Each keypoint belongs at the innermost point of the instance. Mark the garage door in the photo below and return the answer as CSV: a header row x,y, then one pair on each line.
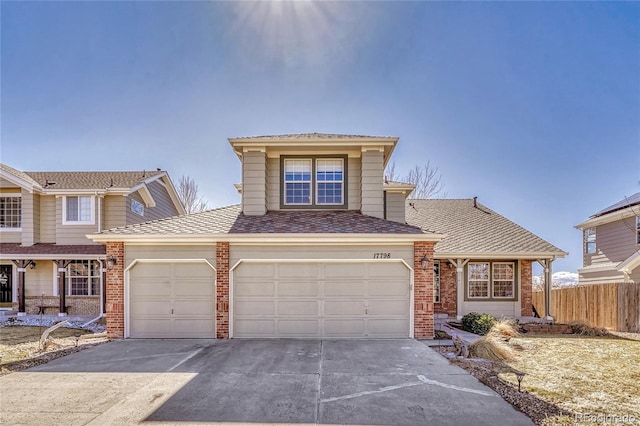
x,y
172,300
321,300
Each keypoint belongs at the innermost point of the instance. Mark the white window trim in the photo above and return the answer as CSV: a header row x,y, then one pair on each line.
x,y
92,214
68,277
310,182
317,182
488,280
513,281
13,195
586,241
139,213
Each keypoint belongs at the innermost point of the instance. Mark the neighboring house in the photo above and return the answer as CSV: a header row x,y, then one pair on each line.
x,y
46,259
611,244
320,246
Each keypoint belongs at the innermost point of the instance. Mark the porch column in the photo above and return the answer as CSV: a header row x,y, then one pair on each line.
x,y
62,272
546,264
423,318
459,264
22,268
222,290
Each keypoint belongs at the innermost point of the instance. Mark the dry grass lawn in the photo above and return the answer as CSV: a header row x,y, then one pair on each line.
x,y
598,375
19,342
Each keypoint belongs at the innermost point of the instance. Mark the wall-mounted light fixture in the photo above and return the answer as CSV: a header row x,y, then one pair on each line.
x,y
424,262
112,261
32,264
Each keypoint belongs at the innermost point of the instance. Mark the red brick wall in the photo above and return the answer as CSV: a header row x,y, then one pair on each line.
x,y
222,290
115,292
526,285
423,291
448,290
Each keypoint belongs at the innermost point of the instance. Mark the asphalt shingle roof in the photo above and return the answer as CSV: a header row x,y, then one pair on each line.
x,y
91,180
473,230
230,220
309,136
627,202
52,249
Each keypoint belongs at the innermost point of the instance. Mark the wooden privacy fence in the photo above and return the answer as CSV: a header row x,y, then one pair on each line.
x,y
613,306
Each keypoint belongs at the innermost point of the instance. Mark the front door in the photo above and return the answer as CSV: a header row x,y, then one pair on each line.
x,y
6,295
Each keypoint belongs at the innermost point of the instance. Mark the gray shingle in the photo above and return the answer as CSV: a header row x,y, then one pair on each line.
x,y
91,180
474,230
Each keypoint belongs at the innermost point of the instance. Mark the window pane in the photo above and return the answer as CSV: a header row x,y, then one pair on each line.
x,y
329,174
590,240
298,193
83,278
478,279
84,213
10,212
503,279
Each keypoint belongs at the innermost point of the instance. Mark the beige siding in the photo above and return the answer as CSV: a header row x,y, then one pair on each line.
x,y
611,275
133,252
30,218
254,186
395,207
354,181
372,184
39,279
73,234
48,219
237,252
615,242
273,183
496,309
114,211
164,205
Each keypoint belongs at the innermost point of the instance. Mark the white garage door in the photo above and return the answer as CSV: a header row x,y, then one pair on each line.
x,y
321,300
172,300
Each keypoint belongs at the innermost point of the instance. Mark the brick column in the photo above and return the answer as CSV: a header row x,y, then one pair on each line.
x,y
423,291
448,290
526,284
115,292
222,290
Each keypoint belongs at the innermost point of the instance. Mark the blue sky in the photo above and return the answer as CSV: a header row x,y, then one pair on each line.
x,y
534,107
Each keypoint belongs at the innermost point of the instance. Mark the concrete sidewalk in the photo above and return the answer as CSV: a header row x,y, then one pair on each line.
x,y
396,382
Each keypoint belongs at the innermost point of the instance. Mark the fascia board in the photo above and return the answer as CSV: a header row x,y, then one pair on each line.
x,y
173,194
19,181
9,256
143,189
512,255
609,217
339,239
631,263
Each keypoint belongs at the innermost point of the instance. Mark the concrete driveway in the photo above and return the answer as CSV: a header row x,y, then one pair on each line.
x,y
395,382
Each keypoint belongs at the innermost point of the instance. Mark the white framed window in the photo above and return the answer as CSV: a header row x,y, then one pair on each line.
x,y
297,181
478,283
590,240
436,281
504,280
78,210
137,207
83,278
11,212
330,181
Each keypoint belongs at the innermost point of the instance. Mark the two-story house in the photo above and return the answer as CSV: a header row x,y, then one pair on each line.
x,y
47,264
320,246
611,244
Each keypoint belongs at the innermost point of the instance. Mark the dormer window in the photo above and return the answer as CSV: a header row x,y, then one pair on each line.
x,y
313,182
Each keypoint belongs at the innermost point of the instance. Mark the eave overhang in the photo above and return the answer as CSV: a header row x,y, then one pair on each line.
x,y
500,256
608,218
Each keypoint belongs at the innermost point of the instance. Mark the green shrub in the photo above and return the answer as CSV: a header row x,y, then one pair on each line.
x,y
478,323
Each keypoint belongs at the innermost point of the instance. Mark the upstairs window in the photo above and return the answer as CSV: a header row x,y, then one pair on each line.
x,y
77,210
590,240
314,182
637,229
11,212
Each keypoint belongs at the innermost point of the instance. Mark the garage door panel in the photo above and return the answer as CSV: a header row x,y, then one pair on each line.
x,y
298,307
387,307
255,307
252,287
344,288
298,328
298,288
322,299
389,288
171,300
344,327
343,307
259,271
255,327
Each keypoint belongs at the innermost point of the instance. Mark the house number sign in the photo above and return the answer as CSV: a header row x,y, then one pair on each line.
x,y
382,255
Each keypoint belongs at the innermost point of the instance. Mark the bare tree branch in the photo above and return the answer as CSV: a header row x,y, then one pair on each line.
x,y
187,190
426,178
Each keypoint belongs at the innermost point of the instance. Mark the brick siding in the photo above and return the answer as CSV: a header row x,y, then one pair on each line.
x,y
526,287
115,292
78,305
222,290
423,291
